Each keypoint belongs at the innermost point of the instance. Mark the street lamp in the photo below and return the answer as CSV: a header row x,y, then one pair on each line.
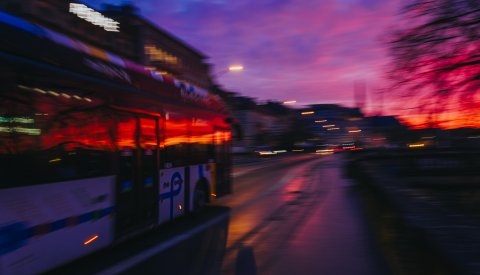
x,y
231,68
235,68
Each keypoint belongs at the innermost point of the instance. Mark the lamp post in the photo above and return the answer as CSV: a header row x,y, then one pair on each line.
x,y
231,68
227,96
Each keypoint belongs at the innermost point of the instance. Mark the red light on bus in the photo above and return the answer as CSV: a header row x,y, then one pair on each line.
x,y
89,241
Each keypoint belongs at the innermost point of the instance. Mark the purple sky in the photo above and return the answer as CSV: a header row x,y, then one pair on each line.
x,y
312,51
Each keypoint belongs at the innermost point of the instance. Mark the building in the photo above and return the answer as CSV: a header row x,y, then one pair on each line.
x,y
269,124
385,132
333,124
159,50
119,30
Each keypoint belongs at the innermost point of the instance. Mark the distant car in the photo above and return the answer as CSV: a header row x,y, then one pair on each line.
x,y
264,151
325,149
324,152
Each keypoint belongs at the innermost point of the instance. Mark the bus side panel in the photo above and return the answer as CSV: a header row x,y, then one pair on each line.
x,y
47,225
198,172
172,193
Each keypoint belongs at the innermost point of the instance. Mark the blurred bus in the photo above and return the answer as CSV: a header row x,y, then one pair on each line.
x,y
95,148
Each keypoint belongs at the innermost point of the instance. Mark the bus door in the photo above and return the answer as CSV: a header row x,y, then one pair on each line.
x,y
137,177
148,170
222,161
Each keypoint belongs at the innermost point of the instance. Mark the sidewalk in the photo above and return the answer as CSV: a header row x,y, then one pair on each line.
x,y
436,233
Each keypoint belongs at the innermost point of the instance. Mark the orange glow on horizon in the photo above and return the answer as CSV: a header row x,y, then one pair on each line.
x,y
447,120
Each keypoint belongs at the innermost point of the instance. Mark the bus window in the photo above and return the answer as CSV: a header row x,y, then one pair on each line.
x,y
148,142
83,143
176,140
223,161
44,138
148,133
125,142
148,185
201,141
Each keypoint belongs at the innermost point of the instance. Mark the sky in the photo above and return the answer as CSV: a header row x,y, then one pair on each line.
x,y
311,51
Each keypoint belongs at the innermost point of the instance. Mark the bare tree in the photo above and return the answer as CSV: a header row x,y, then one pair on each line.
x,y
436,54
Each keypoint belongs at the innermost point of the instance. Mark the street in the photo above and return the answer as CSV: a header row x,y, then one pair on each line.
x,y
297,215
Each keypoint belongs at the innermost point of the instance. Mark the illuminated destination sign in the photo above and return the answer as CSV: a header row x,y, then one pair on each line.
x,y
94,17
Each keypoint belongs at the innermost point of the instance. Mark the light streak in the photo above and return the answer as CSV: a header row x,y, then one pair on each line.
x,y
89,241
94,17
307,113
416,145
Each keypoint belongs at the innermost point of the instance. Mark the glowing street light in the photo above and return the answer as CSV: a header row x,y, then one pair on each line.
x,y
235,68
231,68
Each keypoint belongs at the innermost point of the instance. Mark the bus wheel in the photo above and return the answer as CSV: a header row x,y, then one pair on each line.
x,y
200,198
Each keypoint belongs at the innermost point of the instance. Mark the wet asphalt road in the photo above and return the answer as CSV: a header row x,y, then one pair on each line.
x,y
297,215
